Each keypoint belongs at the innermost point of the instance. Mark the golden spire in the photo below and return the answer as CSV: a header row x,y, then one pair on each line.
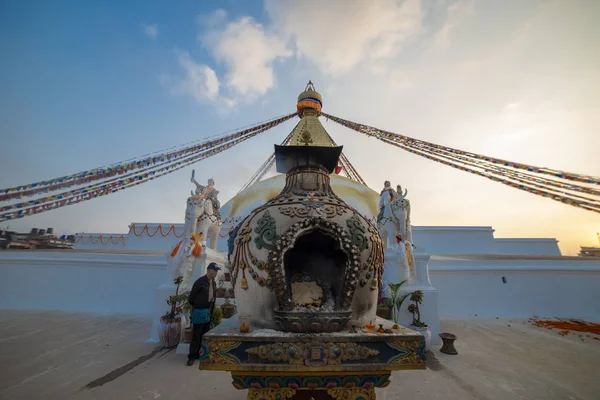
x,y
309,131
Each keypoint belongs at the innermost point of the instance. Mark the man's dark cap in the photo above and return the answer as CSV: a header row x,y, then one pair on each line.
x,y
214,266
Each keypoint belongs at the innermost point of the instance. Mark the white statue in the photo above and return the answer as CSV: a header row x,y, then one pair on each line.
x,y
407,260
393,221
202,217
202,222
181,261
207,191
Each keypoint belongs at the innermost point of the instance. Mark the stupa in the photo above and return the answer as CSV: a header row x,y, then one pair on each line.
x,y
307,269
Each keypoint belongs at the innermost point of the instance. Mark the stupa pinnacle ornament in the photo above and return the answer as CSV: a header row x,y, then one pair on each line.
x,y
309,131
310,101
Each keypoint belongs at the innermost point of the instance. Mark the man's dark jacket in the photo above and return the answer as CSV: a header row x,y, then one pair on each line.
x,y
199,295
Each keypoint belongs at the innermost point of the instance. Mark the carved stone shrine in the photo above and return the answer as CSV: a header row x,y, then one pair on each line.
x,y
306,269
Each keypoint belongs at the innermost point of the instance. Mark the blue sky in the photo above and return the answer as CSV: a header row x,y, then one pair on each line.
x,y
85,84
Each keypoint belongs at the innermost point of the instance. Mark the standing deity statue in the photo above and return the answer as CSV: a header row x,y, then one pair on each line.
x,y
203,214
399,190
393,220
208,192
387,195
393,223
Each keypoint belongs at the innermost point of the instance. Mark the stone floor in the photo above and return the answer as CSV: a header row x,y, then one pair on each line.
x,y
57,355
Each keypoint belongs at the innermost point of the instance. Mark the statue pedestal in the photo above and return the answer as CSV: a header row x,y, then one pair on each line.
x,y
396,271
429,308
161,307
168,289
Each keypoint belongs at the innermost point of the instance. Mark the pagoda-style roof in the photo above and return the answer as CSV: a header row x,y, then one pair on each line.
x,y
291,157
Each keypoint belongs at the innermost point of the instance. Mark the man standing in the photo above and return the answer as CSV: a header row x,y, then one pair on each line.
x,y
202,298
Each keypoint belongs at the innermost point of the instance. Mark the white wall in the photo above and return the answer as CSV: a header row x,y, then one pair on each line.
x,y
429,239
74,281
151,238
454,239
467,285
530,246
542,286
141,236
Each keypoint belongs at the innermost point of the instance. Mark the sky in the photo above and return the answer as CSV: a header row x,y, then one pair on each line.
x,y
86,84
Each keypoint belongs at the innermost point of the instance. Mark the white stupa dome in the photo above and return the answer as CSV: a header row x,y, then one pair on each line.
x,y
357,195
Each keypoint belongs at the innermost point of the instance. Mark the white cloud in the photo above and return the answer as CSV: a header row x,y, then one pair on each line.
x,y
247,50
150,30
214,20
458,14
339,35
200,81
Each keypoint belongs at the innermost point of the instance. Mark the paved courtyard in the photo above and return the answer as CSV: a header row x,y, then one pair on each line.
x,y
59,355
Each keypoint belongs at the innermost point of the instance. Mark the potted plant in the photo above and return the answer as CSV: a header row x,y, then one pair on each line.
x,y
417,298
187,312
395,301
383,309
169,329
228,308
217,316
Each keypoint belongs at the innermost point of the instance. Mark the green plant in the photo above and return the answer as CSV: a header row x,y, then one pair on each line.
x,y
186,307
395,300
177,303
417,298
217,316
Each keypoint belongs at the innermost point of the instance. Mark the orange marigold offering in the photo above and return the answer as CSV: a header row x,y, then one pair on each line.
x,y
567,326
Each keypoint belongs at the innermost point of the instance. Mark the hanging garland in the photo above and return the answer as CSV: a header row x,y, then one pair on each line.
x,y
379,133
121,168
81,239
159,229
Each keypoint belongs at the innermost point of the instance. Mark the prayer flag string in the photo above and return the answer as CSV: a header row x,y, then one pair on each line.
x,y
63,199
499,173
379,133
122,168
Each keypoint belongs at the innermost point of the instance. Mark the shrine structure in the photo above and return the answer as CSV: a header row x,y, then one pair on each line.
x,y
307,269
